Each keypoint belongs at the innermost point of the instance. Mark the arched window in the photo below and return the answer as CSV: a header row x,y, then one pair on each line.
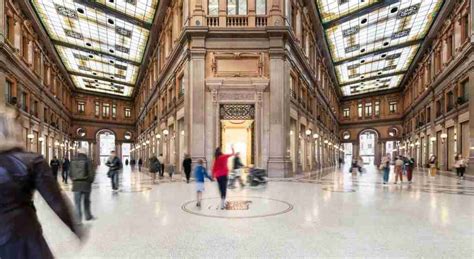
x,y
213,7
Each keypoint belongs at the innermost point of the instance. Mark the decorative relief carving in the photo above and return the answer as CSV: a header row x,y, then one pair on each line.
x,y
237,64
236,96
214,96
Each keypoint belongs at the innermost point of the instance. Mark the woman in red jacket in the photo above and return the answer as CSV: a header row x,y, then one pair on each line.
x,y
220,172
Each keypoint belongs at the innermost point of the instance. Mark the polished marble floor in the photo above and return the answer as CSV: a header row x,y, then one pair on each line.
x,y
332,214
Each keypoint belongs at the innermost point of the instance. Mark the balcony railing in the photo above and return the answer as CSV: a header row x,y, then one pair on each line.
x,y
213,21
260,21
237,21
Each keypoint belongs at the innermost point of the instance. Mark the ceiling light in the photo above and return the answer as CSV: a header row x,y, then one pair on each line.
x,y
80,10
88,44
110,21
394,10
364,21
385,43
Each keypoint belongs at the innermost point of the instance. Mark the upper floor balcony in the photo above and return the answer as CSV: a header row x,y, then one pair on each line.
x,y
237,21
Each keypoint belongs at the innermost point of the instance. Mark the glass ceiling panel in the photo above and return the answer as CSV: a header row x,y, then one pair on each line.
x,y
115,44
100,86
140,9
372,85
376,65
397,28
388,26
333,9
96,65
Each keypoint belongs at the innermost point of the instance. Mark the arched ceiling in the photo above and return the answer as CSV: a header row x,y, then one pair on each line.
x,y
373,42
100,42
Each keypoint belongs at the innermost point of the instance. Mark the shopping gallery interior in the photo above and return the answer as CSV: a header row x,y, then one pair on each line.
x,y
317,94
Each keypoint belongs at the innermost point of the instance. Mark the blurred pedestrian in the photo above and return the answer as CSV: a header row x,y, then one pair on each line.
x,y
460,164
162,163
21,173
398,169
220,171
114,165
55,163
200,173
82,176
154,167
140,163
236,174
433,165
187,167
65,172
385,167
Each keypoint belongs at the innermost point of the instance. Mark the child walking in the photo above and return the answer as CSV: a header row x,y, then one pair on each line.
x,y
199,174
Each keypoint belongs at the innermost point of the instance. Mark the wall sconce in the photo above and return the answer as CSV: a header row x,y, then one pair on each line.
x,y
56,143
455,137
40,139
147,142
329,144
326,141
166,132
412,145
417,143
158,136
30,136
308,132
443,136
144,144
433,139
62,145
291,133
182,133
315,135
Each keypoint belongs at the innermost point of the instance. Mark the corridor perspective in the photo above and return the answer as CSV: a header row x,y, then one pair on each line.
x,y
236,128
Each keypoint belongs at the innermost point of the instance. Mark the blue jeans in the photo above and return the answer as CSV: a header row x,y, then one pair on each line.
x,y
87,204
115,180
386,172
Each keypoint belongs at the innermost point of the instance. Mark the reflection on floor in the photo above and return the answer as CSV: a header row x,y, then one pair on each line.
x,y
332,214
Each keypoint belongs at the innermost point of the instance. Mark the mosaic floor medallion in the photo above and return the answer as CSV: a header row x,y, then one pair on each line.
x,y
238,207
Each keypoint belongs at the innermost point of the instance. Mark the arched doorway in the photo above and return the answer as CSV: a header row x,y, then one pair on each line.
x,y
368,140
105,143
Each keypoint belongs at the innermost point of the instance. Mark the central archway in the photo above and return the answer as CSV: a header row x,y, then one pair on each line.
x,y
368,140
105,142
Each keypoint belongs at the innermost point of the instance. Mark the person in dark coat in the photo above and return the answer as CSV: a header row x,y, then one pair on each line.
x,y
154,167
140,163
55,166
236,172
65,170
187,167
82,176
114,165
21,173
126,162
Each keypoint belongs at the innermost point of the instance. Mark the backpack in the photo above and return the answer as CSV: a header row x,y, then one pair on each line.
x,y
79,170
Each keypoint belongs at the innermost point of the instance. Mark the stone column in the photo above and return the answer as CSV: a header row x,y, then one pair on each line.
x,y
195,100
2,24
3,81
279,162
470,168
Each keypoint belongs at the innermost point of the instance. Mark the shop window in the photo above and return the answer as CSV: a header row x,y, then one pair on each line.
x,y
359,110
346,113
450,100
237,7
449,46
34,108
465,27
23,97
392,107
428,115
181,86
81,107
464,95
213,7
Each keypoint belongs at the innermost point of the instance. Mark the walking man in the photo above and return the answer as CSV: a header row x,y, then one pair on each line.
x,y
55,166
65,169
236,173
114,165
140,163
162,163
187,167
82,176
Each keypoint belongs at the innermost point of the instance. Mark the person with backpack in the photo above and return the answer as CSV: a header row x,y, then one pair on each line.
x,y
154,167
22,173
55,166
187,167
65,170
114,165
82,176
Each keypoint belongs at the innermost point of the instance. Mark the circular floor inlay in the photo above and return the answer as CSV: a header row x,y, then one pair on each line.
x,y
239,207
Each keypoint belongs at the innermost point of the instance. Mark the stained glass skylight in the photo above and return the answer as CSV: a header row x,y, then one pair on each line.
x,y
375,39
99,38
101,86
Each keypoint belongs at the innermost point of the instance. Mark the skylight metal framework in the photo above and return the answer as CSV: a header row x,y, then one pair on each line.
x,y
99,39
374,40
